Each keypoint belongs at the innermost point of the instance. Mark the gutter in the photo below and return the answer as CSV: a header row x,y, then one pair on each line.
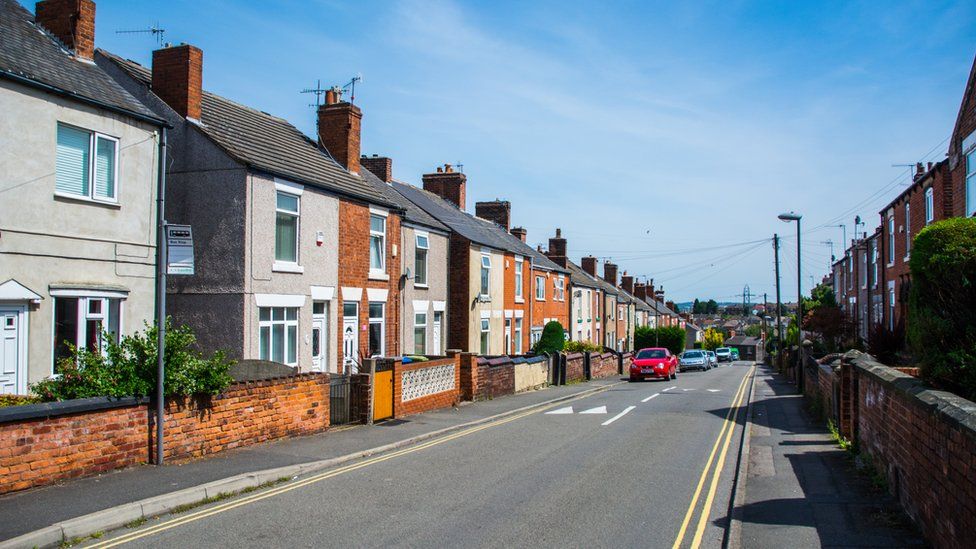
x,y
83,99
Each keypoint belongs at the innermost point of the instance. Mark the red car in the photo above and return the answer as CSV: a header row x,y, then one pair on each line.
x,y
654,363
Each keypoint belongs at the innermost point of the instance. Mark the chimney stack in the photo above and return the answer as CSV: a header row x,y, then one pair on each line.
x,y
177,78
627,283
640,291
71,21
610,273
519,232
380,166
589,265
497,211
340,125
447,184
919,171
557,249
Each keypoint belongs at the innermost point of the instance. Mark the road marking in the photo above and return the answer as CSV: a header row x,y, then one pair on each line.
x,y
566,410
713,390
618,416
597,410
686,390
220,508
669,388
708,464
650,397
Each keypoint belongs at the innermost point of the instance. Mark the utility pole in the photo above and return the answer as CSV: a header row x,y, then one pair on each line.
x,y
779,306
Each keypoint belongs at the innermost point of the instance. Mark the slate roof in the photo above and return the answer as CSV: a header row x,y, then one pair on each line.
x,y
475,229
267,142
743,340
411,212
30,54
579,277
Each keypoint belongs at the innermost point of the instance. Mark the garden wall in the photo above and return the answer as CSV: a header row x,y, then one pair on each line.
x,y
603,365
422,386
531,375
574,368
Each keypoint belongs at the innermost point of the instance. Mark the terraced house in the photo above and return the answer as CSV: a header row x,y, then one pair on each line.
x,y
299,259
80,166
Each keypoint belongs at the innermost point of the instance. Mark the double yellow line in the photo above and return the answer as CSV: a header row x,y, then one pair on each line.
x,y
728,426
210,511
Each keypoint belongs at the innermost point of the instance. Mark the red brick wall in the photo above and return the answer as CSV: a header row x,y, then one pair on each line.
x,y
72,21
924,442
247,413
43,451
354,272
435,401
603,365
459,295
528,297
501,380
550,308
965,125
574,367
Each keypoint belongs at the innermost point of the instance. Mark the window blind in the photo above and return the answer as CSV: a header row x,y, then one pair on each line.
x,y
105,168
71,165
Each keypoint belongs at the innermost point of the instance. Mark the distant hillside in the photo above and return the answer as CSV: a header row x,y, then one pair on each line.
x,y
685,306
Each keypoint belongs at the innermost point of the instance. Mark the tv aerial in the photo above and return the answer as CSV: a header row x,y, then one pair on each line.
x,y
351,86
154,30
319,91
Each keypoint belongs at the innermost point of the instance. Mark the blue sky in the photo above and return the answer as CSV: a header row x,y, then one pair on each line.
x,y
666,136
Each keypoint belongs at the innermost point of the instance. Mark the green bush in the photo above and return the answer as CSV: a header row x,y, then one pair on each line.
x,y
582,346
941,316
669,337
553,339
17,400
128,368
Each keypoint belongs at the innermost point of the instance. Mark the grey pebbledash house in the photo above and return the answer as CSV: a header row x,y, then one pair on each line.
x,y
79,171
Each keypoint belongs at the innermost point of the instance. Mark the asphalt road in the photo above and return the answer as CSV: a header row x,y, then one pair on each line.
x,y
630,475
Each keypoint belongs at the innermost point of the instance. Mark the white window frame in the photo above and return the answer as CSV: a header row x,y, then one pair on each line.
x,y
540,288
93,137
518,336
381,270
863,265
286,265
484,344
929,205
419,249
417,324
285,322
381,320
83,316
969,153
874,263
908,231
891,239
485,289
519,263
559,285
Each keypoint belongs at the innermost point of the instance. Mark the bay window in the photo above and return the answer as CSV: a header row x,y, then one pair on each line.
x,y
420,260
278,334
377,329
286,227
377,243
84,322
86,164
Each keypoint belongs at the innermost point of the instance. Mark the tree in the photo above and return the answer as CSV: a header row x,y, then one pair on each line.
x,y
553,339
713,339
941,315
753,330
711,307
672,338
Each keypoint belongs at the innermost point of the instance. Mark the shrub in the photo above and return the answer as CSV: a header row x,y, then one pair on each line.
x,y
17,400
712,340
582,346
128,368
553,339
670,337
941,316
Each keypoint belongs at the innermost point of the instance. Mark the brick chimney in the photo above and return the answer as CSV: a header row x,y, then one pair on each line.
x,y
496,211
71,21
447,184
610,273
557,249
627,282
588,264
519,233
380,166
339,125
640,291
177,78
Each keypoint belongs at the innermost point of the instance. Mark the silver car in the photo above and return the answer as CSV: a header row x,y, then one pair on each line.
x,y
693,359
712,359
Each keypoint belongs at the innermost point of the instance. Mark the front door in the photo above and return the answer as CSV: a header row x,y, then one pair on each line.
x,y
437,332
508,336
10,352
320,337
350,337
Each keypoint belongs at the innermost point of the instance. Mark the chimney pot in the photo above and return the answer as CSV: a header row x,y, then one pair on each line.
x,y
71,21
449,185
177,78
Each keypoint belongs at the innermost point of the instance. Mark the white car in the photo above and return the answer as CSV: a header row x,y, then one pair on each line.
x,y
712,359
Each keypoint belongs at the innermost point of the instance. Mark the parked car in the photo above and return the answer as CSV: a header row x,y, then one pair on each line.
x,y
693,359
735,354
724,354
712,359
653,363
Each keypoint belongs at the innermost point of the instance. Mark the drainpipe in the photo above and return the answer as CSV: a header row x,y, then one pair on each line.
x,y
531,293
160,295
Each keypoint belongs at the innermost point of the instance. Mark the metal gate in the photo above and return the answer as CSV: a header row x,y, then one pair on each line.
x,y
345,396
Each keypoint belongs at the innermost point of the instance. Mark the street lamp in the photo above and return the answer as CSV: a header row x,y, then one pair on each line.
x,y
787,218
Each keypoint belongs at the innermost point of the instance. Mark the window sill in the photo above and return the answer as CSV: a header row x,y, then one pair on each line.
x,y
520,300
376,275
906,258
280,267
421,286
86,200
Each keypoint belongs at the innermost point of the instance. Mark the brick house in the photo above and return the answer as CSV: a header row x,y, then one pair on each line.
x,y
80,172
961,195
424,251
586,300
608,307
297,257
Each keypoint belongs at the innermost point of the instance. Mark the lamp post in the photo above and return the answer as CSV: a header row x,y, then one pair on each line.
x,y
787,218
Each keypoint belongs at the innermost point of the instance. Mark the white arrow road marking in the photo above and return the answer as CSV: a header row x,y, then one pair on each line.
x,y
713,390
566,410
669,388
597,410
618,416
650,397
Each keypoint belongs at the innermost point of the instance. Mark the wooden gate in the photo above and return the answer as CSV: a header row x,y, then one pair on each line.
x,y
383,391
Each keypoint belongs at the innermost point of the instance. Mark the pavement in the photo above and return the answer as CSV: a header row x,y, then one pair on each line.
x,y
639,464
31,510
798,488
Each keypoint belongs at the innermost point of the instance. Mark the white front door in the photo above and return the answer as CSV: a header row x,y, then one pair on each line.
x,y
437,332
350,337
12,346
320,337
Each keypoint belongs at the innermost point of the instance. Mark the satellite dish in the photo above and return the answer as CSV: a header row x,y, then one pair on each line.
x,y
408,274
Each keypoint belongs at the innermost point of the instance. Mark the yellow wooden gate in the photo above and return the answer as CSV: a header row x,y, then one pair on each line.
x,y
383,395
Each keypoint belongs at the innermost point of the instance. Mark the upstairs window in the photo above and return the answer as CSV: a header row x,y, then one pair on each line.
x,y
891,239
286,228
83,158
969,150
540,288
518,278
420,260
485,275
908,230
560,288
377,243
929,205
